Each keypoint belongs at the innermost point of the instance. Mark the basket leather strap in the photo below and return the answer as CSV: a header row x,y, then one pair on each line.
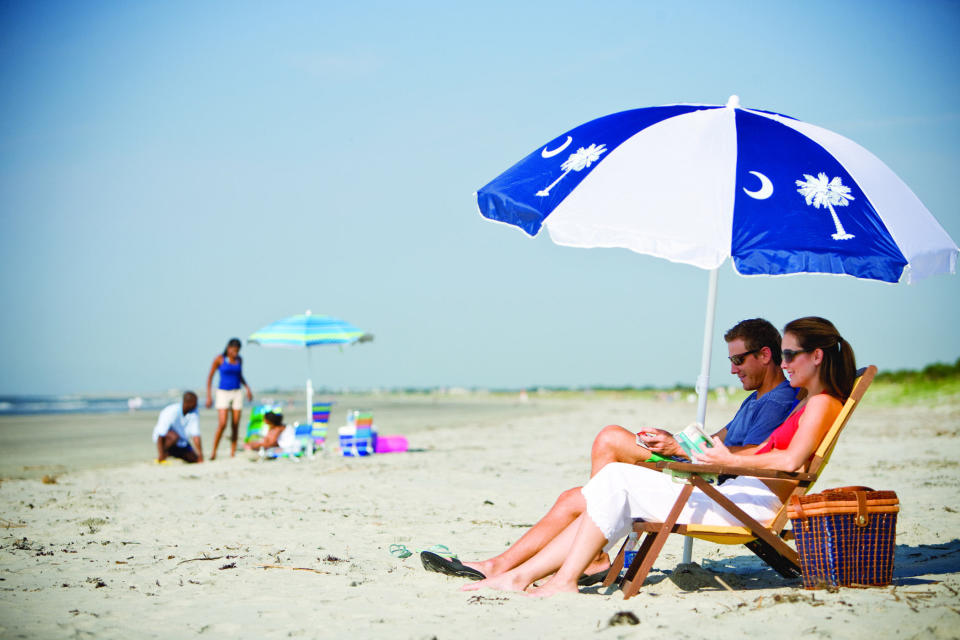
x,y
798,507
863,516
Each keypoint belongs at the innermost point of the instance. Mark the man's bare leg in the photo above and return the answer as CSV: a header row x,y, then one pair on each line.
x,y
615,444
612,444
541,564
565,510
164,443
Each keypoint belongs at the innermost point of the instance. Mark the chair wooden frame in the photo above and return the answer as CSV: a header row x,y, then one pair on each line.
x,y
767,541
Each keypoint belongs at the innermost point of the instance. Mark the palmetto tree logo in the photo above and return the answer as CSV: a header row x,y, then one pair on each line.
x,y
578,161
823,192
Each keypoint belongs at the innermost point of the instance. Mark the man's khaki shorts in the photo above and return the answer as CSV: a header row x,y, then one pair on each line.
x,y
232,399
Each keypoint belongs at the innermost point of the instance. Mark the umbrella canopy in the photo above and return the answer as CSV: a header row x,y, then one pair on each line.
x,y
699,183
306,330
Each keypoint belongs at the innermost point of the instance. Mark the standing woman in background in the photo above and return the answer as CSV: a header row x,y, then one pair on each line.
x,y
229,395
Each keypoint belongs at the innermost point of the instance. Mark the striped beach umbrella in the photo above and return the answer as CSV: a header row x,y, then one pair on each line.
x,y
304,331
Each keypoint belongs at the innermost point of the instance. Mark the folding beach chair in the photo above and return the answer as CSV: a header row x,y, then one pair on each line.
x,y
359,439
321,418
768,542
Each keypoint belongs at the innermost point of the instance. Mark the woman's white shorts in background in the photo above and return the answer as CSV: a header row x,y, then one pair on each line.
x,y
229,399
620,492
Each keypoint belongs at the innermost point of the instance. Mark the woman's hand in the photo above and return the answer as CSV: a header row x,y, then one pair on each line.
x,y
249,395
209,402
717,454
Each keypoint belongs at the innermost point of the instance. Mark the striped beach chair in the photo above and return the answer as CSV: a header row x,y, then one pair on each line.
x,y
318,431
358,440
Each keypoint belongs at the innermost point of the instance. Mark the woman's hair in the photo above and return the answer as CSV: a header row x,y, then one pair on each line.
x,y
838,369
273,419
233,342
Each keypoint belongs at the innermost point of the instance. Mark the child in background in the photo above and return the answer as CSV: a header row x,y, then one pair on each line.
x,y
275,428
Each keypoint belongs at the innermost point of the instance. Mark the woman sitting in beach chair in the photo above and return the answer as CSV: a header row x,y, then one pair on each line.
x,y
815,357
275,428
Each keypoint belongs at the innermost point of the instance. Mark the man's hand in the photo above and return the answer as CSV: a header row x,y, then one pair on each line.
x,y
660,441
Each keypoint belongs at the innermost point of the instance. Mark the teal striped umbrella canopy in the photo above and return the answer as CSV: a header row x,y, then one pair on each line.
x,y
306,330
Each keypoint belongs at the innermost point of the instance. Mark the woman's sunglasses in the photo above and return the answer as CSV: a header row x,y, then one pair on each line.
x,y
790,354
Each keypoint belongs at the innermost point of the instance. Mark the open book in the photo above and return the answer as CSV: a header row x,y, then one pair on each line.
x,y
693,439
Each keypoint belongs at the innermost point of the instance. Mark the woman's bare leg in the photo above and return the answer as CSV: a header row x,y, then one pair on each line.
x,y
565,510
221,424
234,430
542,564
588,542
612,444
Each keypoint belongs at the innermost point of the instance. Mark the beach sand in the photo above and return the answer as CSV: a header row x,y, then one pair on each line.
x,y
118,547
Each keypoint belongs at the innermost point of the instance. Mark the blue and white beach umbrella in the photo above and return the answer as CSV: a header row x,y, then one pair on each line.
x,y
700,183
304,331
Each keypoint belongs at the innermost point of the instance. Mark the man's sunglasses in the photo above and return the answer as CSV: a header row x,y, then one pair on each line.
x,y
738,359
790,354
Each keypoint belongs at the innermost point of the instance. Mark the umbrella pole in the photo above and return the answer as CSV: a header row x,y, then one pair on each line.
x,y
309,390
703,380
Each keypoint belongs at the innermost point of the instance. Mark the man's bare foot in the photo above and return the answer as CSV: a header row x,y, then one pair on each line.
x,y
486,567
503,582
552,588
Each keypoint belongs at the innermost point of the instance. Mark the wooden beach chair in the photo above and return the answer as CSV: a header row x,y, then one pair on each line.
x,y
768,542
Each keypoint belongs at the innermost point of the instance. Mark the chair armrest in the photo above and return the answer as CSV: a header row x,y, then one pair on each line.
x,y
690,467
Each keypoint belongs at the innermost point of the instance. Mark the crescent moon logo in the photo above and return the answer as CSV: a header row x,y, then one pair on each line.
x,y
552,152
766,187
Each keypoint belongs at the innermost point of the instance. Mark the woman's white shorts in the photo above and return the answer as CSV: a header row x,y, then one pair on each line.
x,y
229,399
621,492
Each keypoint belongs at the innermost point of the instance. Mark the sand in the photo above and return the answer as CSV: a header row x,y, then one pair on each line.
x,y
118,547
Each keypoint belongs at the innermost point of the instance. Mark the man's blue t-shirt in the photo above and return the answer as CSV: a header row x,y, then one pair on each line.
x,y
758,417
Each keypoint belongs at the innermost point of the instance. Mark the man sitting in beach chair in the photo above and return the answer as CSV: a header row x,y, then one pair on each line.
x,y
178,424
755,356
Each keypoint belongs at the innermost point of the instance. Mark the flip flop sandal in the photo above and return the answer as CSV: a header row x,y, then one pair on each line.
x,y
452,567
401,551
587,580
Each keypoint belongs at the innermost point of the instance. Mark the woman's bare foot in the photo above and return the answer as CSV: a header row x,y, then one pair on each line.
x,y
552,588
504,582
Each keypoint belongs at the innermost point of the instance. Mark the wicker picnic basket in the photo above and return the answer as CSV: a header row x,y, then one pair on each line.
x,y
845,537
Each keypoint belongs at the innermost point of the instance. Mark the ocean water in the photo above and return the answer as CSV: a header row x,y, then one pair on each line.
x,y
31,405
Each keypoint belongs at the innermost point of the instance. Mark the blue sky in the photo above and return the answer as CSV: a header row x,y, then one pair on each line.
x,y
174,174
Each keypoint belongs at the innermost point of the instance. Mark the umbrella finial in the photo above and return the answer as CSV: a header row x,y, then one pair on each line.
x,y
733,102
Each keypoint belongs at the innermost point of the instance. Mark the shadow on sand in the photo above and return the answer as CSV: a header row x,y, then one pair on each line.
x,y
912,565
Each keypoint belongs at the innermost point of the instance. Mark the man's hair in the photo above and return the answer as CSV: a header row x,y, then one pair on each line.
x,y
189,395
756,334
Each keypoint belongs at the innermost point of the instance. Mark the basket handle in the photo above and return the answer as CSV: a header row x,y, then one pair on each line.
x,y
863,516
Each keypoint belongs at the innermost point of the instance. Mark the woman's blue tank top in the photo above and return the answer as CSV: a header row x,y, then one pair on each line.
x,y
230,374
